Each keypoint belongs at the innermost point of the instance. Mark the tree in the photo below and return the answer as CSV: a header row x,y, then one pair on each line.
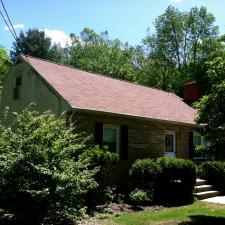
x,y
182,43
39,172
96,53
4,64
33,42
59,54
211,110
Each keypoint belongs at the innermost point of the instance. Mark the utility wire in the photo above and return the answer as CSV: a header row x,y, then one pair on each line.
x,y
8,26
15,35
13,32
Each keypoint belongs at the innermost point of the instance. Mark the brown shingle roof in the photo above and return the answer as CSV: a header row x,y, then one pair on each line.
x,y
85,90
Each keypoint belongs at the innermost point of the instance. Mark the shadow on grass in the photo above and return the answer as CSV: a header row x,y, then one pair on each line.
x,y
204,220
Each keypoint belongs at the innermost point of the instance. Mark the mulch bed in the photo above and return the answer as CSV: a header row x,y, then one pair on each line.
x,y
115,209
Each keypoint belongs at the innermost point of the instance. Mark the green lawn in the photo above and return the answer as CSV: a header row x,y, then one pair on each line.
x,y
198,213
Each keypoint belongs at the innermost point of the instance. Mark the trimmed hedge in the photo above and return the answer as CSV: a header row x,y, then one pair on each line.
x,y
143,173
166,180
214,173
176,182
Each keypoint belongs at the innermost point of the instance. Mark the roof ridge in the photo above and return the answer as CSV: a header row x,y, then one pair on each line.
x,y
102,75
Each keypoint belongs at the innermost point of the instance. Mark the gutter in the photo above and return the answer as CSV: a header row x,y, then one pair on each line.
x,y
99,112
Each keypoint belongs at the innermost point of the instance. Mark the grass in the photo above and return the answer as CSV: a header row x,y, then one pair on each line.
x,y
199,213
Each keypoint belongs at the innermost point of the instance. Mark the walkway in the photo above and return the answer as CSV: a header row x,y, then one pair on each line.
x,y
217,199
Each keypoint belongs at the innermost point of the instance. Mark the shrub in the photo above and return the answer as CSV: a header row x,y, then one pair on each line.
x,y
166,180
139,197
102,159
176,182
38,172
214,173
178,169
143,172
143,175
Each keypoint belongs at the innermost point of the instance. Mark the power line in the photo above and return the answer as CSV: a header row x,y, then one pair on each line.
x,y
11,29
9,20
8,25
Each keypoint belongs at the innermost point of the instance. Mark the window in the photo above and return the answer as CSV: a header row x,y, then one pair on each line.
x,y
170,143
16,90
18,81
111,137
198,139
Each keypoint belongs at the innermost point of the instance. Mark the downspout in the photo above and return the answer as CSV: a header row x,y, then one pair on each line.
x,y
69,117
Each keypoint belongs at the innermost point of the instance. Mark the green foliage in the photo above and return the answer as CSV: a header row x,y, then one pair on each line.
x,y
96,53
211,108
4,64
100,157
33,42
177,169
38,171
139,197
104,160
216,71
202,151
59,54
214,173
166,180
183,41
110,194
176,182
143,174
211,116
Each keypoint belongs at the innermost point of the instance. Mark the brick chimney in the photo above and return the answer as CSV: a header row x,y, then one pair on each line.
x,y
191,92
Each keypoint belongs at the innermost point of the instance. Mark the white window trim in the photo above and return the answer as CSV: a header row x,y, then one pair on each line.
x,y
117,127
174,141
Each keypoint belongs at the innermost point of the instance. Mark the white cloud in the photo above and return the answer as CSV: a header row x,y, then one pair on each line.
x,y
58,37
176,1
16,26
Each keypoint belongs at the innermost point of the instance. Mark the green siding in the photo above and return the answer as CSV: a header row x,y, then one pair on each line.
x,y
33,89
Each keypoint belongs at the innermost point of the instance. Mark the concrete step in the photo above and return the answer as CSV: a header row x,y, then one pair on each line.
x,y
208,194
200,182
203,188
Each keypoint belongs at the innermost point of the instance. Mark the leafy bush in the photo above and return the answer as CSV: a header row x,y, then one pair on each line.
x,y
38,171
176,181
102,159
214,173
139,197
177,169
166,180
143,175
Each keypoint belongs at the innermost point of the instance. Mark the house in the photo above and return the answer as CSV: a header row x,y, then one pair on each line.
x,y
133,120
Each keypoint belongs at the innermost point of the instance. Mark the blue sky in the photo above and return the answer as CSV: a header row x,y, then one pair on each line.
x,y
127,20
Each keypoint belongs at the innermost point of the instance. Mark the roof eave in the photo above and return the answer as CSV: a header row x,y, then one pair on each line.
x,y
96,111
